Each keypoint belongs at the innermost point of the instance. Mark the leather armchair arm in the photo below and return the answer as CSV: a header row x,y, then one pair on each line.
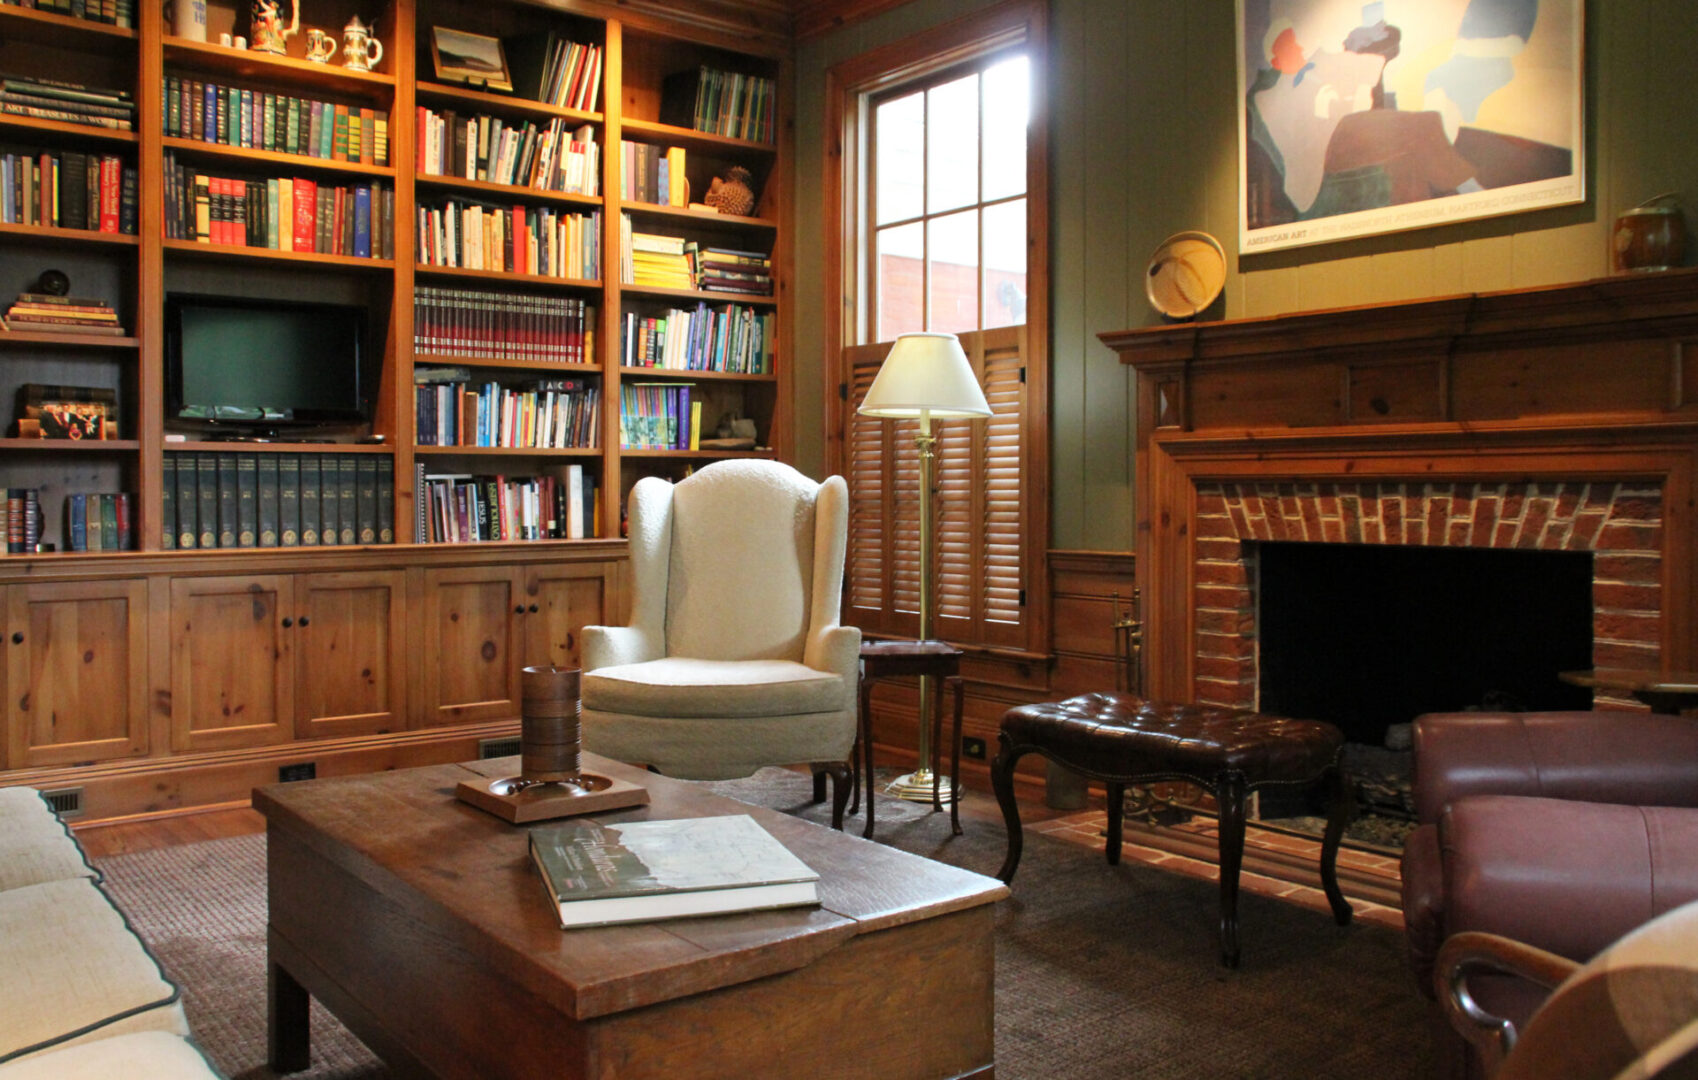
x,y
605,646
1472,952
1422,875
1631,758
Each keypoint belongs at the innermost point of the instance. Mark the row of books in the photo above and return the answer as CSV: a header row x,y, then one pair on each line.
x,y
653,175
514,239
730,270
538,414
67,102
653,260
555,71
658,416
502,325
466,508
98,521
280,214
491,149
721,102
21,527
68,189
111,12
226,499
48,314
733,338
260,120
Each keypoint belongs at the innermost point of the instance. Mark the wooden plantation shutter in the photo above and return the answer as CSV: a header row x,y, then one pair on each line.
x,y
1005,524
866,586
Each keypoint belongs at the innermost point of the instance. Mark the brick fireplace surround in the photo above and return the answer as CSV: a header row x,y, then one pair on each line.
x,y
1562,418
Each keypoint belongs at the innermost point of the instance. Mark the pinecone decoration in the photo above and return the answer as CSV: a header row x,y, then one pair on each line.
x,y
732,195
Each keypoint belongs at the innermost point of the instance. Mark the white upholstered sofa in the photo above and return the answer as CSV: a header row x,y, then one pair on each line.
x,y
80,996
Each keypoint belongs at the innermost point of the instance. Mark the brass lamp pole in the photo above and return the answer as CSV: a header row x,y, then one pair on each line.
x,y
925,375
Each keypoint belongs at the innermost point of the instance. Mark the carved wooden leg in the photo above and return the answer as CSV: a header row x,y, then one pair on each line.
x,y
955,758
841,781
819,786
1116,812
1229,793
1002,782
288,1028
1341,806
936,763
867,751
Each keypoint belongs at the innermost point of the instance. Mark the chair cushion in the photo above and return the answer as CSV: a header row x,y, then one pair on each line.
x,y
72,971
680,686
34,846
144,1055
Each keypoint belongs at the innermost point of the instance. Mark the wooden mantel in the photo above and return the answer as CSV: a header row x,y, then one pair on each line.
x,y
1590,382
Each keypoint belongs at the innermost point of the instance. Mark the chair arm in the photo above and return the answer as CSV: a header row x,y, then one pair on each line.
x,y
1636,759
837,649
1473,952
1422,877
605,646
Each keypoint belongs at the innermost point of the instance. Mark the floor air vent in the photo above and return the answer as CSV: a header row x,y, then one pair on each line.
x,y
488,748
66,802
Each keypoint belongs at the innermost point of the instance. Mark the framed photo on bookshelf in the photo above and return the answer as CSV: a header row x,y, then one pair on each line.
x,y
473,59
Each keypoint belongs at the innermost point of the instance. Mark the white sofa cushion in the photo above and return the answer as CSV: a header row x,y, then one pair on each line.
x,y
684,686
142,1055
34,845
71,971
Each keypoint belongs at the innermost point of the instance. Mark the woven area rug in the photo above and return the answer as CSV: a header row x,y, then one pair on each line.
x,y
1102,972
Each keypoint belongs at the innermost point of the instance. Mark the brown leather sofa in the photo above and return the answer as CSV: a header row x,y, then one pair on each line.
x,y
1563,830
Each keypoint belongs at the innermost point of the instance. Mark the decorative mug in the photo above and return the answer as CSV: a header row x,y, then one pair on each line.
x,y
360,51
320,46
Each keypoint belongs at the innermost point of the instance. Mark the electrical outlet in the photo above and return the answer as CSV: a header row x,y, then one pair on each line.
x,y
974,747
304,770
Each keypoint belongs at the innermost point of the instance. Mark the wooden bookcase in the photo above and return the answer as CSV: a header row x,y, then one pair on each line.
x,y
140,711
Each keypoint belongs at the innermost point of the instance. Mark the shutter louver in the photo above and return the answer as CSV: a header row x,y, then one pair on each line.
x,y
1003,490
867,467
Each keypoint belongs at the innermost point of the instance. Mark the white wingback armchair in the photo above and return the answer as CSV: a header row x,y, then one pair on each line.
x,y
734,658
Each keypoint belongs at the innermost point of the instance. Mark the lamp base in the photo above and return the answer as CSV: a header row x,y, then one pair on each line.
x,y
917,787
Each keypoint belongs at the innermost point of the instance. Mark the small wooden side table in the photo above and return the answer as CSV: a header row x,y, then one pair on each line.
x,y
1663,693
888,659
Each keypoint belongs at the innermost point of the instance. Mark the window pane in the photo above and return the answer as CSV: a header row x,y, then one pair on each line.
x,y
901,285
899,131
952,246
1007,103
952,142
1005,264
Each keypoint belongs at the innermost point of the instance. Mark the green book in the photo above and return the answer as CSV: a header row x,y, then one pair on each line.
x,y
386,500
365,498
268,122
187,533
292,125
247,500
347,490
168,502
308,466
206,498
289,500
108,522
329,500
268,500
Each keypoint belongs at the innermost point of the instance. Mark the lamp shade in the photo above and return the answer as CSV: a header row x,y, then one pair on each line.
x,y
925,373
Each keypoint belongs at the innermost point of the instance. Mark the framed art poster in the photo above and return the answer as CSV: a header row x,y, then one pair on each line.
x,y
1366,118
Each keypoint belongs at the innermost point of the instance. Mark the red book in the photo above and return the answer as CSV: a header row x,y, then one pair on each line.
x,y
123,509
111,177
47,213
419,137
521,239
306,214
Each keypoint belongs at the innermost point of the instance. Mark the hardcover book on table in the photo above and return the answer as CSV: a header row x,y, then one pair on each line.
x,y
639,871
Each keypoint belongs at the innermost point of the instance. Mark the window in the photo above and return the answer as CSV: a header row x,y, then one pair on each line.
x,y
941,172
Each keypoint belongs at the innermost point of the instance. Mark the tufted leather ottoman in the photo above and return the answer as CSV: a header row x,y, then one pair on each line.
x,y
1122,739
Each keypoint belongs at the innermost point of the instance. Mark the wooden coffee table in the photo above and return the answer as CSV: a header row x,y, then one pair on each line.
x,y
421,923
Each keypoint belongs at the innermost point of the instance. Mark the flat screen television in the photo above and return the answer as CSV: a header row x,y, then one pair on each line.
x,y
255,366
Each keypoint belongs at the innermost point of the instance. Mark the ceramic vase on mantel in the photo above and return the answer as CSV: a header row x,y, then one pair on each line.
x,y
1651,236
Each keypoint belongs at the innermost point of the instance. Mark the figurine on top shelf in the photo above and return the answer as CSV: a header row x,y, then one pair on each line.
x,y
268,33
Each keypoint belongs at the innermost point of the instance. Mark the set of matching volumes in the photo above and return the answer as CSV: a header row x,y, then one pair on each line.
x,y
652,175
491,149
68,189
287,214
460,508
119,13
721,103
554,71
21,510
227,499
658,416
538,414
542,241
258,120
503,326
97,522
67,102
46,314
732,338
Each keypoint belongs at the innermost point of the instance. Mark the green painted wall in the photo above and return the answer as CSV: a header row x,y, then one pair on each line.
x,y
1143,143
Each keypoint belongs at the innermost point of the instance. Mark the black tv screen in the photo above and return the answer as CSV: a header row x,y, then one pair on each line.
x,y
260,363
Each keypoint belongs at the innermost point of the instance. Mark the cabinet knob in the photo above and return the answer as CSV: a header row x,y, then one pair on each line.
x,y
518,609
532,609
304,620
18,638
287,622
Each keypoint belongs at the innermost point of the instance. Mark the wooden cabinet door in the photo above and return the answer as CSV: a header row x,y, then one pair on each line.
x,y
76,672
232,662
350,659
469,665
560,601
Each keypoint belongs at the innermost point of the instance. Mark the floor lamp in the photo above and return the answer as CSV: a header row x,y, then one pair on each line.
x,y
925,375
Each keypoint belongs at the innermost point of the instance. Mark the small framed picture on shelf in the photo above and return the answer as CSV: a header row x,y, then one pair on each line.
x,y
468,58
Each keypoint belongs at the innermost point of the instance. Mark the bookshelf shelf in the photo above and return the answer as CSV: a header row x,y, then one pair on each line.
x,y
543,280
698,295
35,339
207,151
283,70
284,258
690,139
279,447
70,236
59,132
34,27
698,455
704,376
507,451
449,360
679,214
508,192
72,446
435,92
